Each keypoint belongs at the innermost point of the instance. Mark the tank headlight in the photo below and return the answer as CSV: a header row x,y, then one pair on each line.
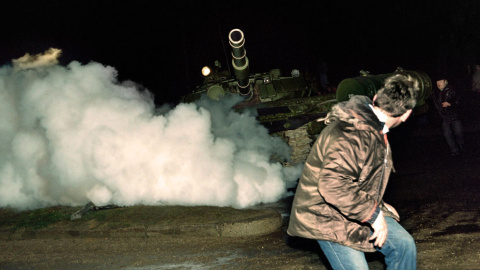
x,y
206,71
266,80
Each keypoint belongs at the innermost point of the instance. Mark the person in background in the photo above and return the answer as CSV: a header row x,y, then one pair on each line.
x,y
446,102
476,82
338,201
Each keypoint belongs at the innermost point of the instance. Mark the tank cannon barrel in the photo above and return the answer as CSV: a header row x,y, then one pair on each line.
x,y
368,85
239,60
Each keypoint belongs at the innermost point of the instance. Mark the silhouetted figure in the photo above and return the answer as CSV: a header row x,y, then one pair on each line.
x,y
476,82
322,76
446,101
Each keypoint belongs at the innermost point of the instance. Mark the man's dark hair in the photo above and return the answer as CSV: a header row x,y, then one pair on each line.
x,y
398,95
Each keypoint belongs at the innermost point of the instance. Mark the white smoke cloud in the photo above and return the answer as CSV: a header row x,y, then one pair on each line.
x,y
75,134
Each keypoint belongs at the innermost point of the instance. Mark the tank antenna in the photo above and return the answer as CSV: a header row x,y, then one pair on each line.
x,y
221,40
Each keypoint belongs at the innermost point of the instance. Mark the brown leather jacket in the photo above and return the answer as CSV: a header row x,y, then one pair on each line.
x,y
344,178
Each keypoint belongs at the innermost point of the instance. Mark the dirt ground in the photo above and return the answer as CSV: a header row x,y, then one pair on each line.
x,y
447,243
436,195
263,252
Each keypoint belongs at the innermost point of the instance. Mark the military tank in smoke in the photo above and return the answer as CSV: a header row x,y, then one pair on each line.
x,y
286,105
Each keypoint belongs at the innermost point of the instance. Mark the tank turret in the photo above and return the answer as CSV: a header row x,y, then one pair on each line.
x,y
285,104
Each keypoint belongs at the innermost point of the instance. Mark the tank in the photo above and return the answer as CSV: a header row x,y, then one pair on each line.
x,y
285,105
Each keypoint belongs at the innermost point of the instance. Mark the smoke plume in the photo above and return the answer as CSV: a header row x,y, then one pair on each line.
x,y
73,134
50,57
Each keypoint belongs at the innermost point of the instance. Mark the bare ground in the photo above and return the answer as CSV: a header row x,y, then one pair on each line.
x,y
449,243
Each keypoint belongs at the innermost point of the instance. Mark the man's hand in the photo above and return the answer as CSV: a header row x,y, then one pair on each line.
x,y
380,230
446,104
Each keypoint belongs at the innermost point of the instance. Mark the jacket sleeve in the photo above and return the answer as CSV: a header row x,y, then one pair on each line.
x,y
452,97
344,159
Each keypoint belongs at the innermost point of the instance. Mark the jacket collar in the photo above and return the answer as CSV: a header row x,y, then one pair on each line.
x,y
357,112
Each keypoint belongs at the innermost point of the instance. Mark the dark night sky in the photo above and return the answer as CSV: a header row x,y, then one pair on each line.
x,y
164,48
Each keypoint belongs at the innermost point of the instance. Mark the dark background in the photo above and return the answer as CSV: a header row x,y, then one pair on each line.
x,y
164,45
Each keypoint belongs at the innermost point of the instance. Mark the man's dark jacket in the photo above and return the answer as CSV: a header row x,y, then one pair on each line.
x,y
446,95
344,178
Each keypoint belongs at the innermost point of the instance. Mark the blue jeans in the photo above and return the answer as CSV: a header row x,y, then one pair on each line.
x,y
452,130
399,250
